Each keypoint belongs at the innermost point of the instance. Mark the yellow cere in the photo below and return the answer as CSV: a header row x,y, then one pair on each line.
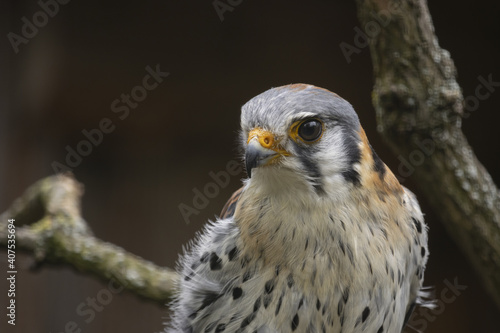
x,y
267,140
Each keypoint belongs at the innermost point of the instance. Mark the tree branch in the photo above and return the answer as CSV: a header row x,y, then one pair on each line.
x,y
419,108
61,236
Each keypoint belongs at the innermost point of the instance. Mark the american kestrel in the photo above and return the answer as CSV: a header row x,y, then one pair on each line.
x,y
321,237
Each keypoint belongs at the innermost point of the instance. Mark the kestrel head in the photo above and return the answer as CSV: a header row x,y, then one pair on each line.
x,y
302,135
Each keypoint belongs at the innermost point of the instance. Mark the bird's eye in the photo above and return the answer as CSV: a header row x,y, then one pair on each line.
x,y
310,130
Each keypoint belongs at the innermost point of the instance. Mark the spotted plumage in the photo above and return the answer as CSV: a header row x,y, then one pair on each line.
x,y
321,238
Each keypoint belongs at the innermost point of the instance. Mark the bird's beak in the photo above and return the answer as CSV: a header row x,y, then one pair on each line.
x,y
262,149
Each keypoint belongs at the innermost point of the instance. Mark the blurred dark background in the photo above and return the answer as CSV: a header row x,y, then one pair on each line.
x,y
64,79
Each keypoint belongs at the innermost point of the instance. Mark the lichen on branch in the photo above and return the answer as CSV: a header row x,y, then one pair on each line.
x,y
49,225
419,107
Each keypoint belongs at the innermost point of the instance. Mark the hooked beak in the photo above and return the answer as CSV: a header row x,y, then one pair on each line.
x,y
262,149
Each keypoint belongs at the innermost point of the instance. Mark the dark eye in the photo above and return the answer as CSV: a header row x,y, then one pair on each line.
x,y
310,130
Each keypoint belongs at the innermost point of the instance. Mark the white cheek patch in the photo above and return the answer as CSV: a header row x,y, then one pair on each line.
x,y
332,157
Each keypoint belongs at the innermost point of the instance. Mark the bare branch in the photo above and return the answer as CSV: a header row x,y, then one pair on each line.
x,y
419,109
61,236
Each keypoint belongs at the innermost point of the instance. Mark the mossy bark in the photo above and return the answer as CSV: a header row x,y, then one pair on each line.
x,y
419,108
49,224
